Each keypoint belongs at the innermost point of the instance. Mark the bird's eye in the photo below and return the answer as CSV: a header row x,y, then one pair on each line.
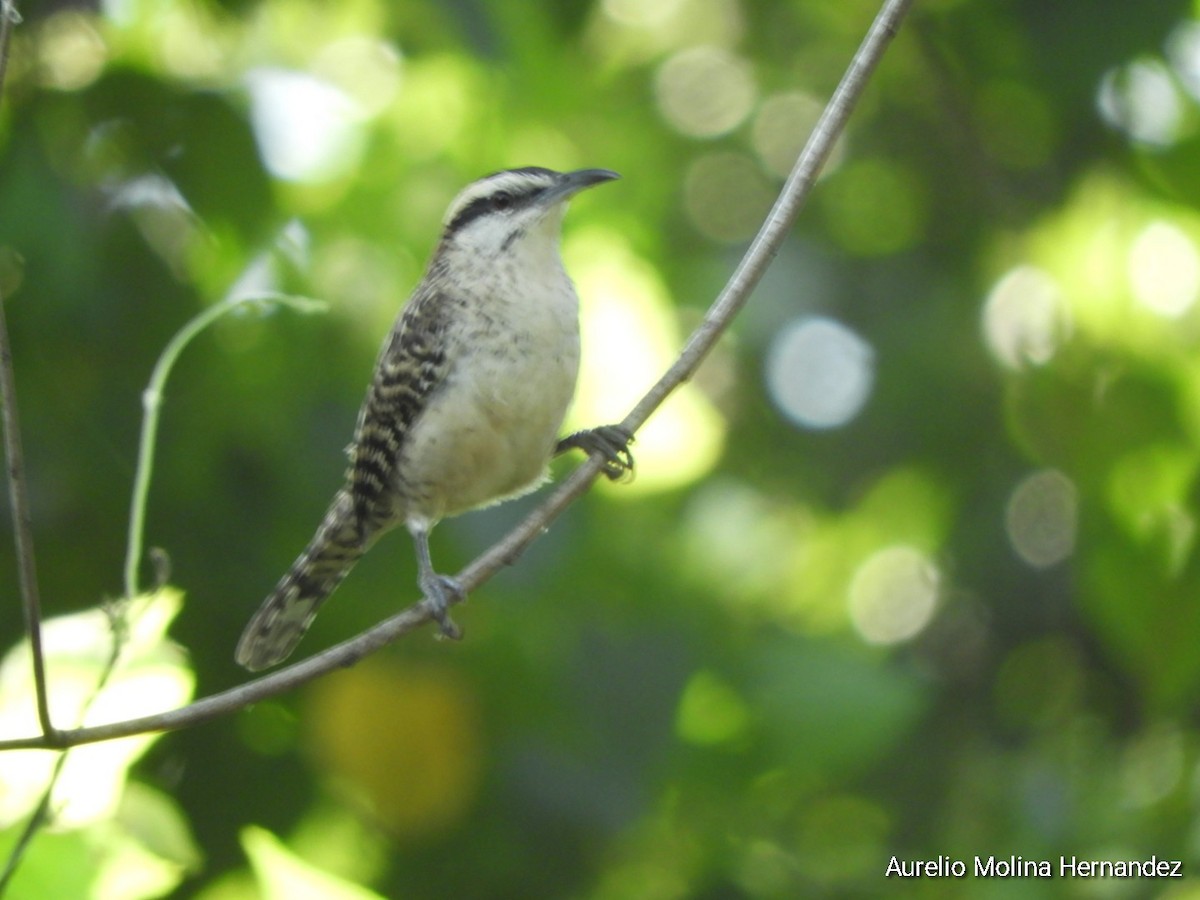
x,y
502,201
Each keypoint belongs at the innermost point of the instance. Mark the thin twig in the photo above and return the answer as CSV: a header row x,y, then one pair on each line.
x,y
22,530
152,399
22,524
787,206
22,520
762,250
40,817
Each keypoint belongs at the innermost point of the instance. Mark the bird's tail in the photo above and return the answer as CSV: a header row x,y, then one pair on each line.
x,y
286,614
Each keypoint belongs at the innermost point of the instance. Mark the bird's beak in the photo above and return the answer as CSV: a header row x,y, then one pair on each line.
x,y
571,183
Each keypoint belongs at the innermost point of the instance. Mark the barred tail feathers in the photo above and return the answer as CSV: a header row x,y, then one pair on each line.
x,y
275,630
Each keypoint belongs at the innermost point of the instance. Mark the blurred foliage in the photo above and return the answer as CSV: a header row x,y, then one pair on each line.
x,y
120,838
909,569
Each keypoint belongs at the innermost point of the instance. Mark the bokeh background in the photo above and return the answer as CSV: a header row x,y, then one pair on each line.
x,y
909,569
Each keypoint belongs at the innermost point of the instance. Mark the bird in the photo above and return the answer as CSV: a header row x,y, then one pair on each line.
x,y
466,401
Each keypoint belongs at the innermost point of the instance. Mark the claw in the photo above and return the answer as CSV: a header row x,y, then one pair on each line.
x,y
609,441
440,591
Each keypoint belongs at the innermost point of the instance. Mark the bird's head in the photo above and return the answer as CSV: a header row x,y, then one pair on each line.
x,y
492,214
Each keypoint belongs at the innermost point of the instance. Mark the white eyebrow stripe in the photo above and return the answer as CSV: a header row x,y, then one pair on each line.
x,y
518,182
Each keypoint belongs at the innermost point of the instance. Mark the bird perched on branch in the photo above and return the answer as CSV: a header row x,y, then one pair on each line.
x,y
466,401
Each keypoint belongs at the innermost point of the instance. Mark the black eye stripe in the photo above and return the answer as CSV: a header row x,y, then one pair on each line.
x,y
469,213
515,188
501,200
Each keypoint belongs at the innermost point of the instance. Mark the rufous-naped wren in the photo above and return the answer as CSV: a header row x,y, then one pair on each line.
x,y
466,402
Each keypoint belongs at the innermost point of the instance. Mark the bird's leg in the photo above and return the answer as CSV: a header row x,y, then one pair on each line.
x,y
609,441
439,590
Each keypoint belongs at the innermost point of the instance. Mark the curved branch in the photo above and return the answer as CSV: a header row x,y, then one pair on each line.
x,y
731,299
152,399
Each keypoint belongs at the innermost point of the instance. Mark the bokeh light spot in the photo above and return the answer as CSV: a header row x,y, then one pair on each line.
x,y
1142,100
875,207
726,196
190,41
638,13
820,373
1025,318
269,728
1164,269
441,99
740,544
704,91
366,69
408,737
1183,50
782,125
637,33
1042,518
1149,491
307,129
1153,766
766,868
71,52
630,338
710,711
893,595
836,837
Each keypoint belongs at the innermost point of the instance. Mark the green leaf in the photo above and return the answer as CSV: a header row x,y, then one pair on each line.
x,y
284,876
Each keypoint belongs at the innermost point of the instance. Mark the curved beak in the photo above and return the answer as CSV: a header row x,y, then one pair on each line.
x,y
571,183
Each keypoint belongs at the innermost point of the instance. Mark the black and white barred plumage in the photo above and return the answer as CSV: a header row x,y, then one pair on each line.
x,y
468,395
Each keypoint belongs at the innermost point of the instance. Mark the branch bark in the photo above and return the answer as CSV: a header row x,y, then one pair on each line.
x,y
717,320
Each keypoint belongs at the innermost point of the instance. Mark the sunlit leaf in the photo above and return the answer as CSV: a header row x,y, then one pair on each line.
x,y
151,675
284,876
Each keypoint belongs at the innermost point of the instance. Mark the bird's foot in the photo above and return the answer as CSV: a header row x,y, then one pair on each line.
x,y
608,441
440,592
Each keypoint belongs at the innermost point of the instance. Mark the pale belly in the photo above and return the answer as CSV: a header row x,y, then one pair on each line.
x,y
489,434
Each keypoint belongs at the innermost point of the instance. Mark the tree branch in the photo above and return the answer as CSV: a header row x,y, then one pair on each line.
x,y
22,521
779,220
731,299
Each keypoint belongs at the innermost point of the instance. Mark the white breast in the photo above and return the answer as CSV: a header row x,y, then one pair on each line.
x,y
489,432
